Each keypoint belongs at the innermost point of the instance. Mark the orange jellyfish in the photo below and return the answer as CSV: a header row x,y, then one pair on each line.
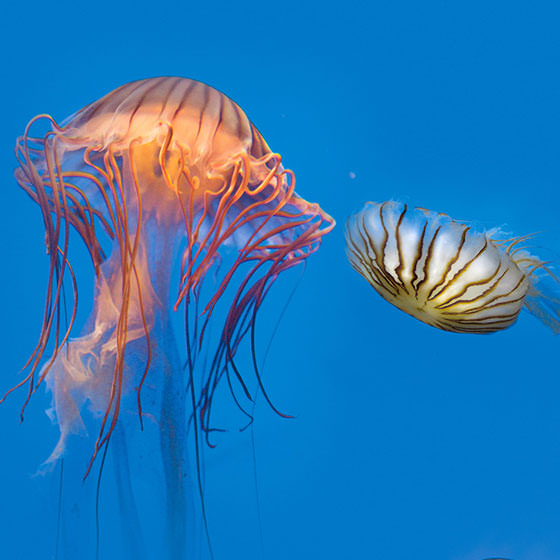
x,y
180,204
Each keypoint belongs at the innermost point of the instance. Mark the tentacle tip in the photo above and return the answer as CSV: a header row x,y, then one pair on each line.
x,y
243,428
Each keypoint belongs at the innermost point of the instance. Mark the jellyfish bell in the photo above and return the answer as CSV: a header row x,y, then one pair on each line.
x,y
160,174
446,273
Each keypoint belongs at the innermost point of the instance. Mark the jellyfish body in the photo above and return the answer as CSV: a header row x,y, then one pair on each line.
x,y
445,273
161,176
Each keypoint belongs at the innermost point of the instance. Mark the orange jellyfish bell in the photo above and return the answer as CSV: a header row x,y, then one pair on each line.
x,y
161,177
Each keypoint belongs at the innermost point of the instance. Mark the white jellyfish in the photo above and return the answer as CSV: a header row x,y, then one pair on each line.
x,y
446,273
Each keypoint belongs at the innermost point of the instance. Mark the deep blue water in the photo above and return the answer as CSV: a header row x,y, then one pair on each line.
x,y
408,442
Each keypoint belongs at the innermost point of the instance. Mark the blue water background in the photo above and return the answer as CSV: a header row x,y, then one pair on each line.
x,y
408,442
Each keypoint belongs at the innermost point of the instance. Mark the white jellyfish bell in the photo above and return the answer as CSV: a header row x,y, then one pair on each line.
x,y
447,274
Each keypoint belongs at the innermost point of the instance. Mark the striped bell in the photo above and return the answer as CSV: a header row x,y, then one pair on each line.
x,y
446,273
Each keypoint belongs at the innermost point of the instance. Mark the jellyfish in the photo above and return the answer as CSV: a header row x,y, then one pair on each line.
x,y
446,273
180,206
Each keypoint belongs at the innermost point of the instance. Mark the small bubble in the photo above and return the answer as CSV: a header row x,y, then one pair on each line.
x,y
352,175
